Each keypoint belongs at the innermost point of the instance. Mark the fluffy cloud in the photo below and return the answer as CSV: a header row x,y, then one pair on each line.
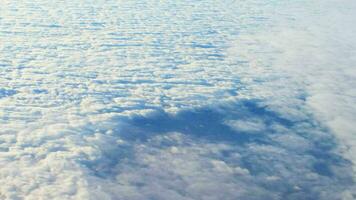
x,y
306,64
177,100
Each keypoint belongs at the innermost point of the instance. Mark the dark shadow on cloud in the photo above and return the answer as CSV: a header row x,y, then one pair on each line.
x,y
7,92
208,124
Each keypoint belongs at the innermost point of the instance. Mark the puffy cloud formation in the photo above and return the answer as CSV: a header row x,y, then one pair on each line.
x,y
248,99
305,65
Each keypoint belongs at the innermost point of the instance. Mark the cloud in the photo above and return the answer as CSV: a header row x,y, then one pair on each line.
x,y
177,100
248,125
305,67
174,156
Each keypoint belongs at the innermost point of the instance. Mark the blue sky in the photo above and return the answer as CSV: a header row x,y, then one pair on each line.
x,y
182,100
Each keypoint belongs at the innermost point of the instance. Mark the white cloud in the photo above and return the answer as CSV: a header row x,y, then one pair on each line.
x,y
247,125
77,77
306,62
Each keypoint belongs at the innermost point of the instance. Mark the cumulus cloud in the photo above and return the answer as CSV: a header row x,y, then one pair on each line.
x,y
306,68
247,125
176,100
171,156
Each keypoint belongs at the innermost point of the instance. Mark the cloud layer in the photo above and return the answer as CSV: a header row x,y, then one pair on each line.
x,y
177,100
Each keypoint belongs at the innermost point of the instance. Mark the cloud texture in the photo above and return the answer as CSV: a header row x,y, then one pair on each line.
x,y
246,99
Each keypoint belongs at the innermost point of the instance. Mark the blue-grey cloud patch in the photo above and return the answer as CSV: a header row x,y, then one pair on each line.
x,y
7,92
200,152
